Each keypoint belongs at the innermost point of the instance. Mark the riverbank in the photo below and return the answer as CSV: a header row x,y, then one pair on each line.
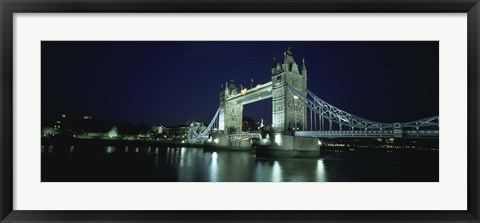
x,y
70,141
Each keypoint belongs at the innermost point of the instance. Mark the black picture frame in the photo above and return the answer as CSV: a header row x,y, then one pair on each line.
x,y
9,7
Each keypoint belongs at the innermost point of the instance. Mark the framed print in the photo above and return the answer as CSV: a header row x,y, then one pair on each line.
x,y
239,111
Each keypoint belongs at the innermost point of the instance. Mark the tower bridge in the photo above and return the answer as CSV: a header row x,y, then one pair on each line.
x,y
299,117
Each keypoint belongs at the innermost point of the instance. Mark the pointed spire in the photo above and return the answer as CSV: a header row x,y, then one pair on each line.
x,y
288,60
289,51
304,67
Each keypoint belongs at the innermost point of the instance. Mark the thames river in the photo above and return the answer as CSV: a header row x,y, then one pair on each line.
x,y
185,164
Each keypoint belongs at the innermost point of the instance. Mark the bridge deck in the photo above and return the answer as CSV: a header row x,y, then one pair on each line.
x,y
373,134
258,93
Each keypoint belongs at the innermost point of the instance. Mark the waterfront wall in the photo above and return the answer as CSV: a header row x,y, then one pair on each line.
x,y
272,145
289,142
220,141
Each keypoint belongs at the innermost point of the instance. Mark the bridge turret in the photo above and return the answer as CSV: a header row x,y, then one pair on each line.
x,y
289,114
304,68
289,63
304,73
274,66
288,57
223,91
232,88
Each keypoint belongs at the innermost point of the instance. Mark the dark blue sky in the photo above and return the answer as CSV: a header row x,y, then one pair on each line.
x,y
173,83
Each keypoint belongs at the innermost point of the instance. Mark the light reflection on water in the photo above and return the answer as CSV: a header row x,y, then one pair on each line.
x,y
110,149
276,172
181,164
193,164
321,174
213,172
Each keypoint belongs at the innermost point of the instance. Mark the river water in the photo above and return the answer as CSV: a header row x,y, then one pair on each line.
x,y
182,164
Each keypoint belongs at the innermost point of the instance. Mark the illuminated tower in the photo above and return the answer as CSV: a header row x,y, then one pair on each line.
x,y
230,116
288,113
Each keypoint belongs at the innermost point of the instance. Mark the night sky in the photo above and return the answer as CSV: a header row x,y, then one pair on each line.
x,y
174,83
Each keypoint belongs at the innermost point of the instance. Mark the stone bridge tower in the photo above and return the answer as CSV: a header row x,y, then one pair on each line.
x,y
231,113
288,113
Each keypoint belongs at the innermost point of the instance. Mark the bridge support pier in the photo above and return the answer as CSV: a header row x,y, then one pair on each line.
x,y
222,142
288,146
